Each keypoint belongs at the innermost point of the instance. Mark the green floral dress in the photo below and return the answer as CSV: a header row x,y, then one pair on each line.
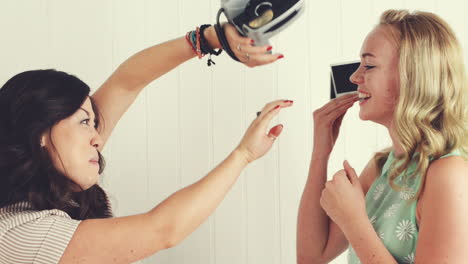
x,y
393,213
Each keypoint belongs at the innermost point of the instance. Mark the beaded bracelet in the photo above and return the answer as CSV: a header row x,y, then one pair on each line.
x,y
199,44
189,37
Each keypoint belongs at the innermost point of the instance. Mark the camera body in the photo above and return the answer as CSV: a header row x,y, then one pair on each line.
x,y
262,19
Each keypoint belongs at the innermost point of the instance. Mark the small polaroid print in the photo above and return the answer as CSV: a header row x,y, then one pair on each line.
x,y
340,74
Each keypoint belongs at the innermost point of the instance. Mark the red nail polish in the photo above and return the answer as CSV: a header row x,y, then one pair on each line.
x,y
252,41
289,101
276,107
269,48
280,57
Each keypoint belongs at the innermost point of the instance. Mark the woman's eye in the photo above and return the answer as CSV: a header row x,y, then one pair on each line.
x,y
85,121
368,67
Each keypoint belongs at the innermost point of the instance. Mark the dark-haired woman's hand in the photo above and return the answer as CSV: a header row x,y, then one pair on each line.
x,y
256,141
243,47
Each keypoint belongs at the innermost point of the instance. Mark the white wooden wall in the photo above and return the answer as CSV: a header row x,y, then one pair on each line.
x,y
186,122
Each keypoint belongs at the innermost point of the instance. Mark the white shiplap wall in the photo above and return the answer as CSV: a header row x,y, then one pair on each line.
x,y
186,122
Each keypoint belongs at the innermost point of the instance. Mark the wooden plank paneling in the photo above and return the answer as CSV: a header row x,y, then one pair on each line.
x,y
229,124
127,150
189,120
359,135
294,144
196,132
81,39
163,112
25,37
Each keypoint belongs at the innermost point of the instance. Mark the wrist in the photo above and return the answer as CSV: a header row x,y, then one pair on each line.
x,y
319,157
212,38
358,224
241,156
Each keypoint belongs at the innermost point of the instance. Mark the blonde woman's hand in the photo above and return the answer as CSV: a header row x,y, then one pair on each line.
x,y
343,198
257,141
327,123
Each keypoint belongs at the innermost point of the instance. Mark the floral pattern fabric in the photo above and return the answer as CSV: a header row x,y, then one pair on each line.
x,y
393,213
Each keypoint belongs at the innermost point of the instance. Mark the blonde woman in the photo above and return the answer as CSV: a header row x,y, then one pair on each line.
x,y
410,203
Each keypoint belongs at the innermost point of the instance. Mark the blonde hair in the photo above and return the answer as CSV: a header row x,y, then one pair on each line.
x,y
431,113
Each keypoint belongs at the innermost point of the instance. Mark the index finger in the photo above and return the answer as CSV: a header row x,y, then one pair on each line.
x,y
273,104
350,172
266,118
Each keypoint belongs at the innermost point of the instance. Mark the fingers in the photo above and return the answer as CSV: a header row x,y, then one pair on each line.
x,y
275,132
271,105
246,52
253,50
271,110
340,119
338,175
335,119
259,59
345,101
350,172
333,104
254,56
238,44
335,109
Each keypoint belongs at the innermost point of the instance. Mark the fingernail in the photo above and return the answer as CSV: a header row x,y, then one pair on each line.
x,y
252,41
269,48
289,101
280,57
276,107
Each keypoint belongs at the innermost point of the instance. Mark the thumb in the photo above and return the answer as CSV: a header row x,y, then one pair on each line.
x,y
351,173
275,131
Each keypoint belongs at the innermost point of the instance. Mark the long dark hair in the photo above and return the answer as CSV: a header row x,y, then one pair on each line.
x,y
31,103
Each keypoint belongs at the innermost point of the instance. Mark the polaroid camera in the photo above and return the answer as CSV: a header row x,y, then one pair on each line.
x,y
258,19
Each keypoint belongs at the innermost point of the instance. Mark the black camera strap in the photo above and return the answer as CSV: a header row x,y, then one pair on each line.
x,y
222,36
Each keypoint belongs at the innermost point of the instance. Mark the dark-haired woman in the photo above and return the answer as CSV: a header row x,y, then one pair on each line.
x,y
51,208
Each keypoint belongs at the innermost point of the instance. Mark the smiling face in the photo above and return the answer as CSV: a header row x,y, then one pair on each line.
x,y
378,77
73,145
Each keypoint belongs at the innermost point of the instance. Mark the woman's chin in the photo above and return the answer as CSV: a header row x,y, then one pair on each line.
x,y
363,116
90,182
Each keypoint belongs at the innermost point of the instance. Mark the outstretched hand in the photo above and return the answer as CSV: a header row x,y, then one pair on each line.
x,y
243,47
246,52
256,141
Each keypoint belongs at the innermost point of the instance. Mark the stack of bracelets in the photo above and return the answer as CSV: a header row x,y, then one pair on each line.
x,y
200,46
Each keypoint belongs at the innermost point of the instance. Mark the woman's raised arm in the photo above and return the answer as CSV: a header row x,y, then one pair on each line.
x,y
120,90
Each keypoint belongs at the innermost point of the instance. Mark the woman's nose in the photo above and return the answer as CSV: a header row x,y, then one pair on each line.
x,y
356,77
96,141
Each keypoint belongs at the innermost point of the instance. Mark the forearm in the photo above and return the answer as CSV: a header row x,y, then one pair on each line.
x,y
366,243
181,213
313,222
151,63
